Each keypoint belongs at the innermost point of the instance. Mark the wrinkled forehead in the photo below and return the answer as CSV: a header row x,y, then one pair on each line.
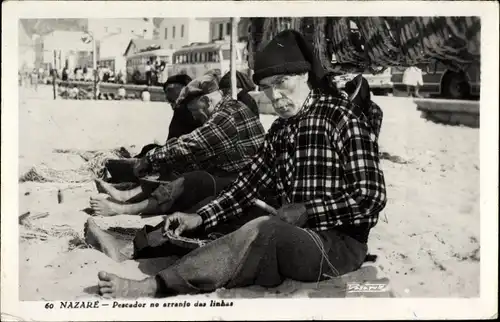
x,y
273,80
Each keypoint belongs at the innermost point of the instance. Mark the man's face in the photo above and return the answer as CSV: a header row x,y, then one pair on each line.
x,y
285,93
172,92
199,109
202,107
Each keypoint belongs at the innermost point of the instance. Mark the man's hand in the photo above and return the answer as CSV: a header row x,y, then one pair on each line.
x,y
141,167
294,214
185,222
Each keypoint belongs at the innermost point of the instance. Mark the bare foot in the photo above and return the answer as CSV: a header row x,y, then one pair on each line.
x,y
112,286
104,207
107,188
103,241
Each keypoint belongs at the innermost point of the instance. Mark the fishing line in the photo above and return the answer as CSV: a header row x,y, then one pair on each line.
x,y
317,240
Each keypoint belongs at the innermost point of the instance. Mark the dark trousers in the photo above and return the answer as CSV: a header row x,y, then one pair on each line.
x,y
264,251
198,186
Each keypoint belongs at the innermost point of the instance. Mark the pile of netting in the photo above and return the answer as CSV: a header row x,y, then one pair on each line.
x,y
31,228
360,44
94,167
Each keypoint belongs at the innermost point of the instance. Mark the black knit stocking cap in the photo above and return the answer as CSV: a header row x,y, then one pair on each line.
x,y
288,53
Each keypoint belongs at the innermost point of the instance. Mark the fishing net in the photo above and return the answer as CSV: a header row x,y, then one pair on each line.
x,y
93,167
30,229
360,44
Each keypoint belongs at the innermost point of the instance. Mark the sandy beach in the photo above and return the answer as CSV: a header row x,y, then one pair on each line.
x,y
427,239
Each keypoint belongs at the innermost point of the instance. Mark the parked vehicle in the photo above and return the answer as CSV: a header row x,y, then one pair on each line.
x,y
198,58
439,81
380,84
136,64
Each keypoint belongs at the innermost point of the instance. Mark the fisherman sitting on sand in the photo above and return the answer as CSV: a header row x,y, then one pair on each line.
x,y
173,87
321,156
182,121
229,136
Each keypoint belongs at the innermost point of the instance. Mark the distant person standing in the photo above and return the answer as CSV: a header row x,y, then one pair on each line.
x,y
163,73
412,78
100,74
79,74
41,74
65,74
119,77
34,79
105,77
148,70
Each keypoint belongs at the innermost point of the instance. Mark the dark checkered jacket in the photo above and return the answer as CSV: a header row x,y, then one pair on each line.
x,y
224,144
326,157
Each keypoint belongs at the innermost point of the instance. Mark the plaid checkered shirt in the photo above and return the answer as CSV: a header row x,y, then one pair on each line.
x,y
325,157
226,142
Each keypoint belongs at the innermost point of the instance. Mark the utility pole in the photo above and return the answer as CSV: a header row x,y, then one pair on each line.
x,y
233,43
94,64
54,78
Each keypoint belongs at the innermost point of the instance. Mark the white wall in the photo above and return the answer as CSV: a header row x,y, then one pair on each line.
x,y
65,40
195,30
114,47
199,31
67,44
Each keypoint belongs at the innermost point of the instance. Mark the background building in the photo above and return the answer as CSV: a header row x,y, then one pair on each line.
x,y
132,27
70,50
220,28
26,50
178,32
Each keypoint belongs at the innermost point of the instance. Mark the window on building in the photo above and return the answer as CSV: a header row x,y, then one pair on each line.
x,y
228,28
221,31
182,31
105,29
166,33
173,32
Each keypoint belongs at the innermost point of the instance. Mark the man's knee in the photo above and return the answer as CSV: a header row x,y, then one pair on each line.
x,y
264,226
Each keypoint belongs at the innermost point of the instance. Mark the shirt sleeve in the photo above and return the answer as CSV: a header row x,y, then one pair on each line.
x,y
363,192
212,138
241,193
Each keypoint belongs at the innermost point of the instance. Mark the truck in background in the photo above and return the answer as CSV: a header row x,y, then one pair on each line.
x,y
441,82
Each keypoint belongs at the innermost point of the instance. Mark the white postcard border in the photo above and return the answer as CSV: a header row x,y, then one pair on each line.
x,y
258,309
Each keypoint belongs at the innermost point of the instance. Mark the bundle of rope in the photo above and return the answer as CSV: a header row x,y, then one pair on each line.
x,y
358,44
94,167
31,229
